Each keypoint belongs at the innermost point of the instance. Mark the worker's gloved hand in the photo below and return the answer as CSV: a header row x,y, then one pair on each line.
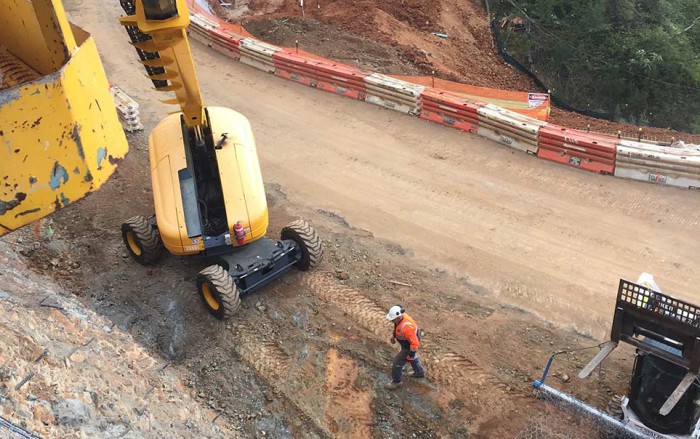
x,y
411,355
392,340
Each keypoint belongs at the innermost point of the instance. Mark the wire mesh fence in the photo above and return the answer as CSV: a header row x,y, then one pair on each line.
x,y
559,416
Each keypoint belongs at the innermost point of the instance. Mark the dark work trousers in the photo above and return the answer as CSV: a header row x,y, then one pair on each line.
x,y
400,361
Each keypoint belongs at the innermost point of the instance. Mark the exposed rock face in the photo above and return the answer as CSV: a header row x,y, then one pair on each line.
x,y
68,372
72,413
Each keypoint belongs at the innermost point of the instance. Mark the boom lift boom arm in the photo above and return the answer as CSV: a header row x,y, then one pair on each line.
x,y
165,22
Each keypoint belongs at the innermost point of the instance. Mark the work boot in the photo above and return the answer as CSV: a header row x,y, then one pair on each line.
x,y
392,385
413,374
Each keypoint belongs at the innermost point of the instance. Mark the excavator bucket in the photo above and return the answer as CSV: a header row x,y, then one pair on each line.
x,y
59,130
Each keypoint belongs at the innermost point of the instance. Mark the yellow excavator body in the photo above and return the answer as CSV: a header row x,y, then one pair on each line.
x,y
60,135
237,158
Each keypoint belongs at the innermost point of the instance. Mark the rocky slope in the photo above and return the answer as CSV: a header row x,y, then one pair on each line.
x,y
68,372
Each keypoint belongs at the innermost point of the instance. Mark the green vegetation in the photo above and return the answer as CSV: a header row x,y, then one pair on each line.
x,y
636,60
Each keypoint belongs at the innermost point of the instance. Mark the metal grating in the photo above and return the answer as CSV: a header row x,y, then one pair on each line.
x,y
644,298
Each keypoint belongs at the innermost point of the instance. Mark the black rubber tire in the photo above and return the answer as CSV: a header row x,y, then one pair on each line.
x,y
301,232
221,289
145,237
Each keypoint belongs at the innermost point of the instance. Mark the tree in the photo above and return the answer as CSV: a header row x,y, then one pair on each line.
x,y
636,60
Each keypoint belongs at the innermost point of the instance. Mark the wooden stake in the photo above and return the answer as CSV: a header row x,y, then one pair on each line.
x,y
403,284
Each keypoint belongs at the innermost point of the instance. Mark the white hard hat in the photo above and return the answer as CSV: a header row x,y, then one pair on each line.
x,y
647,280
394,312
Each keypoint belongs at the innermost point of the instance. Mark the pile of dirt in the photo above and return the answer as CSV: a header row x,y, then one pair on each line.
x,y
341,45
398,37
407,25
68,372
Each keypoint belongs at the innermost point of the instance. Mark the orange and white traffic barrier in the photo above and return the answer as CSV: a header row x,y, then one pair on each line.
x,y
226,42
509,128
592,152
658,164
258,54
578,149
394,94
342,79
295,67
209,33
450,110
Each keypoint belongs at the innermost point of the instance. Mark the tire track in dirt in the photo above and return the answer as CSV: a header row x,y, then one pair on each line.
x,y
347,413
630,198
269,362
367,313
632,201
272,366
452,370
254,344
447,364
349,407
346,408
266,356
184,290
343,415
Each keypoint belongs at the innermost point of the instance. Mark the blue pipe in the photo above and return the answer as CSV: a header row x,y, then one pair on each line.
x,y
546,369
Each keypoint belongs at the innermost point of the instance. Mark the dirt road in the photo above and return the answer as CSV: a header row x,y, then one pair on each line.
x,y
540,236
479,230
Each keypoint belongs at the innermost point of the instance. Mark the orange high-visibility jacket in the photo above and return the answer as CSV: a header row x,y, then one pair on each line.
x,y
406,333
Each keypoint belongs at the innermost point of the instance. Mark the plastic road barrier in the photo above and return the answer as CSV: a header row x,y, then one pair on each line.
x,y
509,128
342,79
258,54
395,94
450,110
658,164
208,32
579,149
295,67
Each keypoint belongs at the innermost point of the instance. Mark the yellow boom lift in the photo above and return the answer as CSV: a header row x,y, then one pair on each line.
x,y
207,187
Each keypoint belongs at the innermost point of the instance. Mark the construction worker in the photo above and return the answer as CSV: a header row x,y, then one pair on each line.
x,y
406,333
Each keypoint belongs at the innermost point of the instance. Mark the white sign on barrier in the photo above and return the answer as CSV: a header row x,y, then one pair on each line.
x,y
535,100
